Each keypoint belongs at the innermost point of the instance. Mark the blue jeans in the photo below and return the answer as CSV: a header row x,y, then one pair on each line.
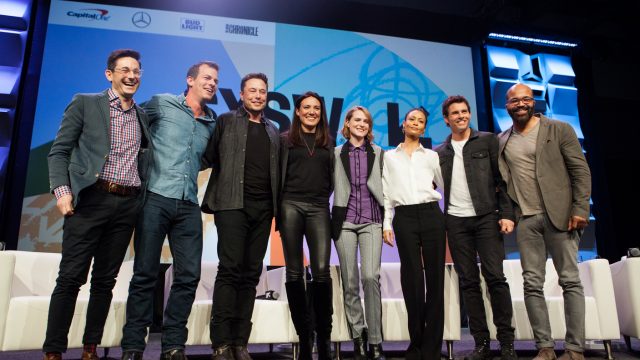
x,y
536,236
182,222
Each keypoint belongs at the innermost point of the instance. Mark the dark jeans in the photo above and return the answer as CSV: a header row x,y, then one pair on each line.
x,y
100,229
299,220
420,237
243,236
182,222
479,235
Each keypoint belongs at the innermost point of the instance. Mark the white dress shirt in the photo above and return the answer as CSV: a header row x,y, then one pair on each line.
x,y
408,180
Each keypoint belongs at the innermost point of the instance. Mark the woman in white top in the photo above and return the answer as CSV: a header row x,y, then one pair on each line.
x,y
411,207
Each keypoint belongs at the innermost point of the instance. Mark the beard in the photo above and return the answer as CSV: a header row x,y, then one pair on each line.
x,y
521,119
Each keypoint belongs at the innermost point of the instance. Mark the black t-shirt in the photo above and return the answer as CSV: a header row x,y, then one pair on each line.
x,y
257,179
308,177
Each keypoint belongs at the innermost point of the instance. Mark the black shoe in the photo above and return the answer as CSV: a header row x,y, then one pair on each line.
x,y
131,355
222,352
300,316
175,354
240,352
375,352
305,347
482,351
507,352
359,348
321,296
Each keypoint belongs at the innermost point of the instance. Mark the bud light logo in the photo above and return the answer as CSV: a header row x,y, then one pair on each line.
x,y
191,24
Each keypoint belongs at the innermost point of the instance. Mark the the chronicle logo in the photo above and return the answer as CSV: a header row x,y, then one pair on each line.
x,y
141,19
91,14
241,29
191,24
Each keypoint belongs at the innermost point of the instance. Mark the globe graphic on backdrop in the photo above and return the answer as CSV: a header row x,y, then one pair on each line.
x,y
375,76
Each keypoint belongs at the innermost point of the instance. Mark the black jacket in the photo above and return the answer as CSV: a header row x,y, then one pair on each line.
x,y
487,188
225,153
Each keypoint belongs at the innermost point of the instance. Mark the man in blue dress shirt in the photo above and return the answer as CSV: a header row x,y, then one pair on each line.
x,y
181,126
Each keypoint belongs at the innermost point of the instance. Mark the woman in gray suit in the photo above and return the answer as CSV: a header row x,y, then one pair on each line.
x,y
356,222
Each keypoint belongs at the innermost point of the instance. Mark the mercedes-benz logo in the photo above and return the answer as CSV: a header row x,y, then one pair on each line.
x,y
141,19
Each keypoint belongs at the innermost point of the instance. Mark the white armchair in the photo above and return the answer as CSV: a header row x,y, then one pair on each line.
x,y
394,311
600,314
27,280
626,284
276,279
270,317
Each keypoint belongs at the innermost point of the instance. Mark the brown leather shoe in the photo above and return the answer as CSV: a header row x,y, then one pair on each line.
x,y
571,355
546,353
90,355
240,352
53,356
223,352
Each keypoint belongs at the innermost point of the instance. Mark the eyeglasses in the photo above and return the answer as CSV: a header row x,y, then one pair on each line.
x,y
126,71
515,101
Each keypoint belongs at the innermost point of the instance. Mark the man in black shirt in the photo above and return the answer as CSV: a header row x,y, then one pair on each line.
x,y
242,194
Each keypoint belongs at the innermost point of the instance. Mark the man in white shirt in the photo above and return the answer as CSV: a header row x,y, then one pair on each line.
x,y
477,209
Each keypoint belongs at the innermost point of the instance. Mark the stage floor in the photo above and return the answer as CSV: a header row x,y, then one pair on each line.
x,y
393,350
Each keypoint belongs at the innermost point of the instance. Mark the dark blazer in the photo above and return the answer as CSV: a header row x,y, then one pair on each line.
x,y
487,188
342,182
82,144
225,153
562,172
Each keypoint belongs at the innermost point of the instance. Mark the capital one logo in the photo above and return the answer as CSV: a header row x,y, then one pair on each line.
x,y
90,14
141,19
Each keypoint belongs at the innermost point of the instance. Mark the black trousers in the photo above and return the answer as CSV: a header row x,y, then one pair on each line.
x,y
243,236
299,220
420,237
469,237
100,229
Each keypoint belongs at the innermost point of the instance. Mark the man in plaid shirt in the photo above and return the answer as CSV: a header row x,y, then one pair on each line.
x,y
97,170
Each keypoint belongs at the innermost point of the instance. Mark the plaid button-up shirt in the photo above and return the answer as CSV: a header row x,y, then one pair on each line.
x,y
121,166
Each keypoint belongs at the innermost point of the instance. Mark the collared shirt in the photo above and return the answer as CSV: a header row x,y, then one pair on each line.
x,y
121,166
179,140
362,208
409,180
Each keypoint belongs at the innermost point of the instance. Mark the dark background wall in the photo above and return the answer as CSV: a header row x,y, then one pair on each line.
x,y
606,74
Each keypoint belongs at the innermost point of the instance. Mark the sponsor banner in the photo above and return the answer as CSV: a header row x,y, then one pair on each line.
x,y
161,22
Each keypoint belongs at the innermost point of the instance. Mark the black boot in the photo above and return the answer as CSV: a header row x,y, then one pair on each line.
x,y
482,350
375,352
297,297
323,309
360,346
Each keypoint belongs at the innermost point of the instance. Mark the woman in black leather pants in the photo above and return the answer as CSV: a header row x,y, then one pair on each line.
x,y
306,184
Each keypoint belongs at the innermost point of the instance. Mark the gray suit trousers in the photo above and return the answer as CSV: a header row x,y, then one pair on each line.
x,y
368,238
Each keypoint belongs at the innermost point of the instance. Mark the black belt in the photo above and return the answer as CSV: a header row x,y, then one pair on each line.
x,y
114,188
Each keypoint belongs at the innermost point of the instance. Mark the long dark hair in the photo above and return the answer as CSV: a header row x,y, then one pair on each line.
x,y
294,134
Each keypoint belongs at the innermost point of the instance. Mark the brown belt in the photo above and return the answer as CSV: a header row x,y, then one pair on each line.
x,y
113,188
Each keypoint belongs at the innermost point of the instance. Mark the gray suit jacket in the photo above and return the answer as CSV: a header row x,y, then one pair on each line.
x,y
82,144
342,182
562,172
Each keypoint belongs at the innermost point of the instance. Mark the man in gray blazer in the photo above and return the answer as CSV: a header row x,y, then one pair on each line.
x,y
97,169
548,177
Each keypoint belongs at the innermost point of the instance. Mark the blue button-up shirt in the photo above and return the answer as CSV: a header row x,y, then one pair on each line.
x,y
179,140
